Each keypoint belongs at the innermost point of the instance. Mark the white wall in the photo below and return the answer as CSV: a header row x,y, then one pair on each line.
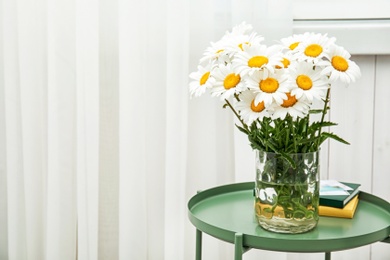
x,y
363,115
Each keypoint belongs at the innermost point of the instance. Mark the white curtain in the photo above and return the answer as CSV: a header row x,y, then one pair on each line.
x,y
100,146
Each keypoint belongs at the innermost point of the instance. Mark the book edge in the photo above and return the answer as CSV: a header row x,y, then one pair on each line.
x,y
327,211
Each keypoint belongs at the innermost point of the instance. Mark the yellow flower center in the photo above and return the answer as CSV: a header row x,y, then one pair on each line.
x,y
339,63
257,61
240,45
204,78
260,107
269,85
313,50
293,45
304,82
290,101
219,51
285,62
231,81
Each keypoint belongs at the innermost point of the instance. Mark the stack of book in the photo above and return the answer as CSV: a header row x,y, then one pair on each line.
x,y
338,199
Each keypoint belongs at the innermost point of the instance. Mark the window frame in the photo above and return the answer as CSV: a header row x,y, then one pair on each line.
x,y
362,27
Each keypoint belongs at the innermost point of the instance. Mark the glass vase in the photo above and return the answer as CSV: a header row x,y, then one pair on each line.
x,y
287,191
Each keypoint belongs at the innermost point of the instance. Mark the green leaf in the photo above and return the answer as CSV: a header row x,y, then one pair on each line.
x,y
289,159
253,127
302,125
315,111
335,137
327,123
270,143
245,131
318,125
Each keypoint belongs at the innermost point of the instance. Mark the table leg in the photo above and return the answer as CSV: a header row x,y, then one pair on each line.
x,y
198,255
327,255
238,249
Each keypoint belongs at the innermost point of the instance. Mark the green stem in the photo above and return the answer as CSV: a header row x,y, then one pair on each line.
x,y
236,114
324,111
293,134
266,131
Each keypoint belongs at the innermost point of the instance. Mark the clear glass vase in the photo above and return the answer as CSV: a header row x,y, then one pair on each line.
x,y
287,191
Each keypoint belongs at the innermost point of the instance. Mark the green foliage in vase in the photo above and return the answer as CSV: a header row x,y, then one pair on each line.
x,y
289,135
285,192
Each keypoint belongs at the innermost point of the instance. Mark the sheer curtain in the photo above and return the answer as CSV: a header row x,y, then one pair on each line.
x,y
100,146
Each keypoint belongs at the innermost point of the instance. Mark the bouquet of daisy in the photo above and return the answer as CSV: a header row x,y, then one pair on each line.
x,y
273,90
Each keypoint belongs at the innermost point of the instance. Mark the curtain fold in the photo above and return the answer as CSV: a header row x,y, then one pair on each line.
x,y
60,192
16,244
133,102
87,153
108,162
177,71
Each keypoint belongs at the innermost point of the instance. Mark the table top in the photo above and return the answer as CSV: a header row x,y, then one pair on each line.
x,y
226,210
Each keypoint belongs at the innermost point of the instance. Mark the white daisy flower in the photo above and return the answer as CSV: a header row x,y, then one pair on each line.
x,y
227,82
306,81
287,59
292,106
223,51
242,28
248,111
313,47
217,53
236,43
202,81
268,88
257,57
339,66
290,43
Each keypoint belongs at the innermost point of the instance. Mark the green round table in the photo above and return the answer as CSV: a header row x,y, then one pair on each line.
x,y
226,212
